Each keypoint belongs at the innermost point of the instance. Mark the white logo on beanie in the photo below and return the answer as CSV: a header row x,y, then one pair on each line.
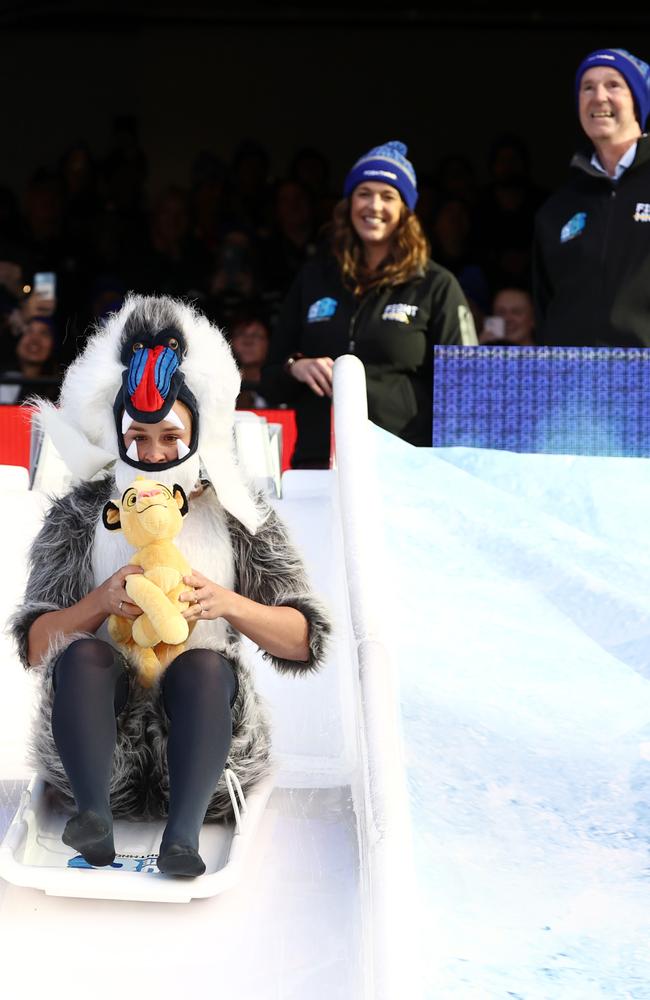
x,y
380,173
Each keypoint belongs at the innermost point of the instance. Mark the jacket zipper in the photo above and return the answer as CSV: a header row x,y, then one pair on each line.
x,y
352,345
603,255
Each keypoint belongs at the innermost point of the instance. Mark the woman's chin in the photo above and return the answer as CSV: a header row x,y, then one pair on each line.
x,y
186,474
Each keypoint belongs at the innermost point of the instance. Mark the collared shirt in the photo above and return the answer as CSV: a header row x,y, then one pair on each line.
x,y
622,165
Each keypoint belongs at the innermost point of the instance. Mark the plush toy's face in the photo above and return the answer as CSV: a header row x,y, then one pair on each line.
x,y
147,512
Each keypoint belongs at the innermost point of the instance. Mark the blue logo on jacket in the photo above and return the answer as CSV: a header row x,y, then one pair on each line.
x,y
573,227
321,309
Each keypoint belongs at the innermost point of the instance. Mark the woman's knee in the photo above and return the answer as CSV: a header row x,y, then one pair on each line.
x,y
201,670
87,654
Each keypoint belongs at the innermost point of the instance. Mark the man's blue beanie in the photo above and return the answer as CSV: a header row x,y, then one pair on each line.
x,y
635,72
385,164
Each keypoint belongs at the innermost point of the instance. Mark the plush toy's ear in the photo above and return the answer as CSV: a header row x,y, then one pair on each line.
x,y
111,516
181,499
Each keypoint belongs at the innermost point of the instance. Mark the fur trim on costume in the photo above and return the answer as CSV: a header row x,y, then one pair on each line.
x,y
270,570
60,558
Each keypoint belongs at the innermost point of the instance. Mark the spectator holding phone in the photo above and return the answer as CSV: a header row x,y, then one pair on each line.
x,y
376,294
34,360
512,322
591,255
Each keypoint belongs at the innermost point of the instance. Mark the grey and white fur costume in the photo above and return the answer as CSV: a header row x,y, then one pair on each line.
x,y
230,535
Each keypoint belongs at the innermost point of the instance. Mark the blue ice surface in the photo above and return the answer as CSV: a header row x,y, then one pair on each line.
x,y
520,626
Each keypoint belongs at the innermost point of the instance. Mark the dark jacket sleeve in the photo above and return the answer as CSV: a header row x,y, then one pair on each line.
x,y
60,560
277,385
451,320
269,570
542,288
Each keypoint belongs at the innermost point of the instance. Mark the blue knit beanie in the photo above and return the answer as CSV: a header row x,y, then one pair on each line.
x,y
385,164
634,70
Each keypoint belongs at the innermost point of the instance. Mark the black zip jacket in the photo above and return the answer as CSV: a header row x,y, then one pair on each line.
x,y
392,330
591,258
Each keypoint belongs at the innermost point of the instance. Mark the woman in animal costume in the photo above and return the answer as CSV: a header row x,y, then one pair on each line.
x,y
154,392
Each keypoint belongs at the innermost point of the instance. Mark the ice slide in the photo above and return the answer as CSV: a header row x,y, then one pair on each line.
x,y
312,896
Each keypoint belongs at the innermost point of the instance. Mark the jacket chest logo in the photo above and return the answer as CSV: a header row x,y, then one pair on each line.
x,y
642,213
321,309
400,312
573,227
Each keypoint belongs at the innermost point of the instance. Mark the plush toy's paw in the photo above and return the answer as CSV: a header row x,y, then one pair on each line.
x,y
144,633
175,630
148,665
166,653
119,628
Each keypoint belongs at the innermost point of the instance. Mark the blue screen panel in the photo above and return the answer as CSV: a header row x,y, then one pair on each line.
x,y
556,400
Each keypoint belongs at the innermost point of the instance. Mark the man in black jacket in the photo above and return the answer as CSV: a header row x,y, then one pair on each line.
x,y
591,254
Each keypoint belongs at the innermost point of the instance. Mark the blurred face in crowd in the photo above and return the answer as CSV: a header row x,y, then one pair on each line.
x,y
44,207
159,442
508,163
375,212
606,107
452,225
292,207
36,345
77,169
515,307
250,342
11,277
170,218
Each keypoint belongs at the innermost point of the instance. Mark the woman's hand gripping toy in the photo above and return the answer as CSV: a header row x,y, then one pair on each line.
x,y
151,515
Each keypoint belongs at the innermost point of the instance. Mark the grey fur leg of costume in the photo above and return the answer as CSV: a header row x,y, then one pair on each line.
x,y
199,688
90,686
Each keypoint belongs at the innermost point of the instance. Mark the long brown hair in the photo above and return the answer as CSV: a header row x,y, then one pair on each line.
x,y
407,258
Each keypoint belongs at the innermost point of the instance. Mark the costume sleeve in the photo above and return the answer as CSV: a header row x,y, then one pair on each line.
x,y
451,320
60,562
268,569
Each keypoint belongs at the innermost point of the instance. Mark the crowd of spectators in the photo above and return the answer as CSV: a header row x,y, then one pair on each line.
x,y
231,239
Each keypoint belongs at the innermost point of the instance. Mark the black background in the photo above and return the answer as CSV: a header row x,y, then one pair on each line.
x,y
444,79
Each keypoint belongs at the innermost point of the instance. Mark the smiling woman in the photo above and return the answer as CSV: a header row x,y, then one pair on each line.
x,y
376,294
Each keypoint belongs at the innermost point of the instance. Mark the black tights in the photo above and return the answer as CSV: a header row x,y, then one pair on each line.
x,y
91,688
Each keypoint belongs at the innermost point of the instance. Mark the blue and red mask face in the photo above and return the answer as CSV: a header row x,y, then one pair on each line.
x,y
152,381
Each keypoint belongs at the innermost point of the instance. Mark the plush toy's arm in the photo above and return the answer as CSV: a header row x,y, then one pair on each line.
x,y
165,618
164,577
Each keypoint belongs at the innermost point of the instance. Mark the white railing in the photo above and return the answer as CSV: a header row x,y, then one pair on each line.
x,y
388,865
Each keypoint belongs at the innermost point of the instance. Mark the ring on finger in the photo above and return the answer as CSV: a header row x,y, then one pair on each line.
x,y
119,607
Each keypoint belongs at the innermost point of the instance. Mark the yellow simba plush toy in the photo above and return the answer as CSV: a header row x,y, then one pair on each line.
x,y
150,515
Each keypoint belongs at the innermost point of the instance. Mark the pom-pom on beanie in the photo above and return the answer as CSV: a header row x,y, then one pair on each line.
x,y
385,164
635,72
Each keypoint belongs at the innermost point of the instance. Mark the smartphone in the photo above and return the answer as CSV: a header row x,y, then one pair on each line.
x,y
495,326
45,284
